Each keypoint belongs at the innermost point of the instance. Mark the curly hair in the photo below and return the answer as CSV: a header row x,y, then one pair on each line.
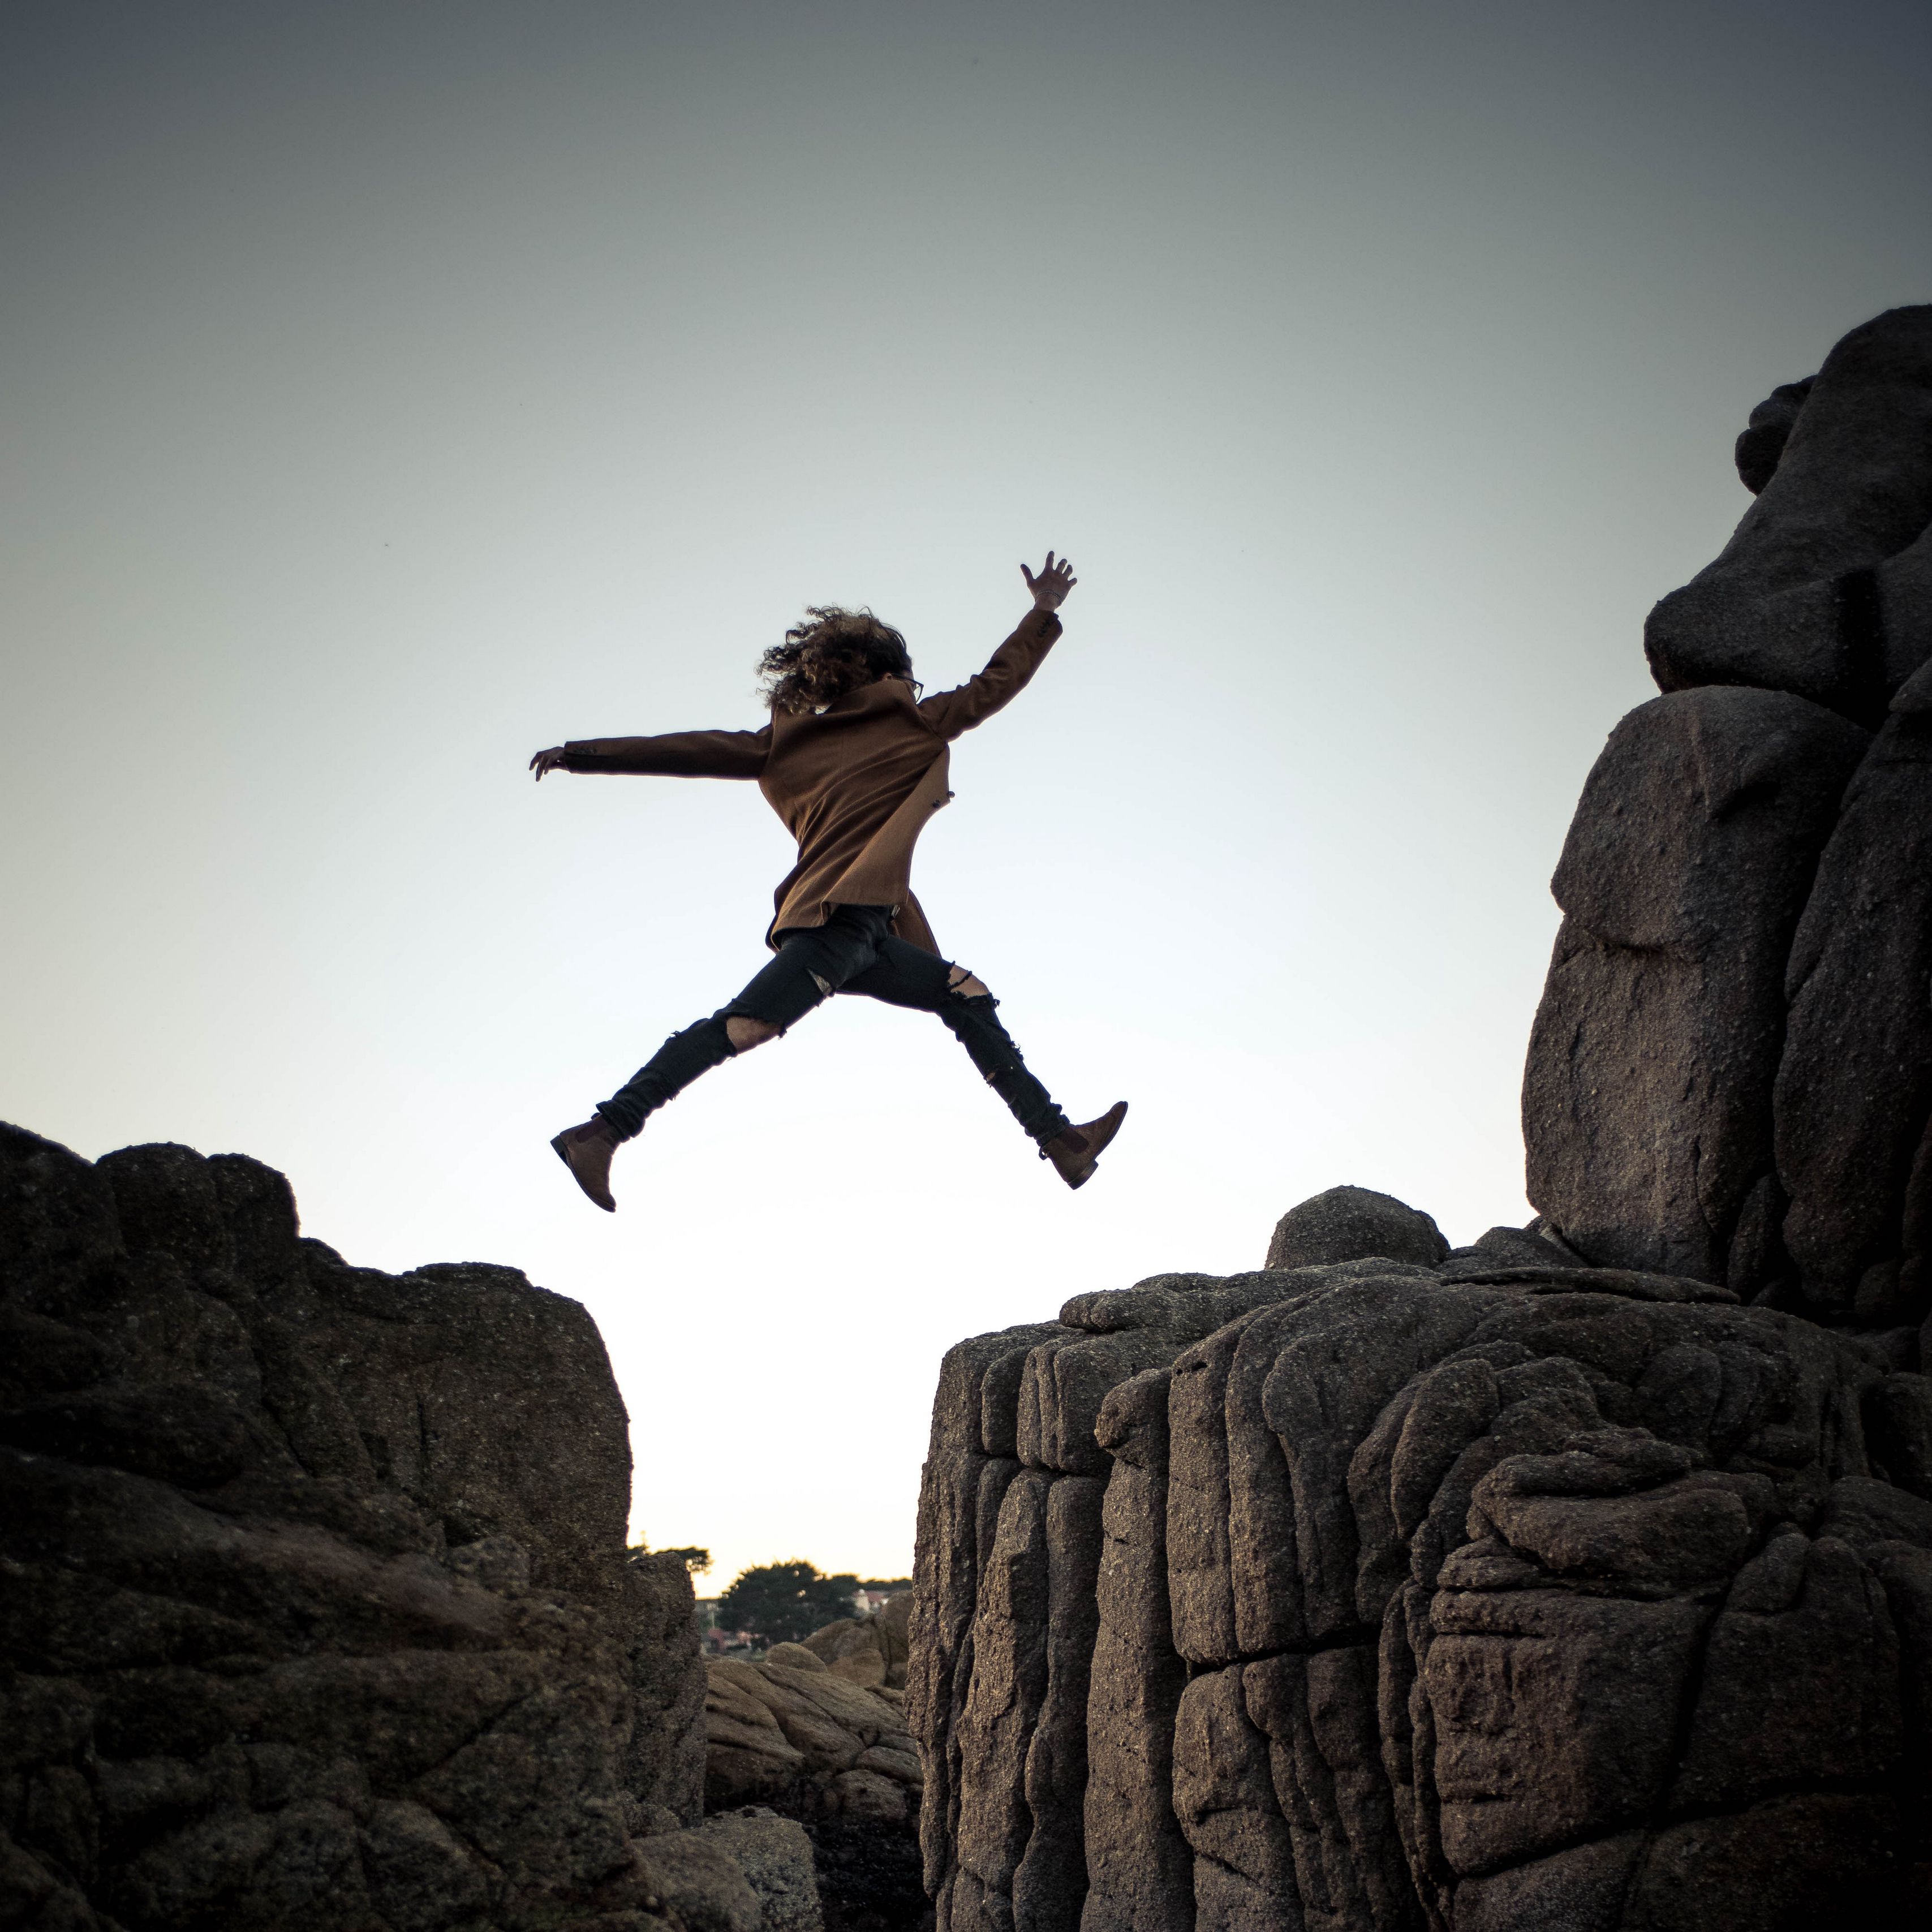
x,y
834,651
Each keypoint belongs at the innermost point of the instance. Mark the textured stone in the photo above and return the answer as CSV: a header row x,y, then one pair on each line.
x,y
1814,1859
1818,592
1855,1086
773,1856
794,1656
1580,1890
1318,1710
1002,1706
1474,1579
699,1882
1554,1714
665,1765
1347,1224
1800,1680
785,1728
961,1488
1066,1380
1225,1798
317,1611
1898,1429
1138,1867
1051,1880
1647,1091
870,1650
1232,1482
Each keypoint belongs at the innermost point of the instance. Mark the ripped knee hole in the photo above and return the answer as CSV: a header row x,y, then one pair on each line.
x,y
965,986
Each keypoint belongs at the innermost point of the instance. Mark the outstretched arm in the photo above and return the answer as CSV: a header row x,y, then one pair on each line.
x,y
950,712
680,754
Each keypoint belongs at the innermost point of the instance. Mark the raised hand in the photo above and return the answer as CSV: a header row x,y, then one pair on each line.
x,y
550,760
1050,587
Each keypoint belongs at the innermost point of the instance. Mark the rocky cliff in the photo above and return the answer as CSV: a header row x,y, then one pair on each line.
x,y
315,1611
1582,1578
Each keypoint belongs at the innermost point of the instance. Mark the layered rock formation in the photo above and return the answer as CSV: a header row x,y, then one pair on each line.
x,y
314,1606
788,1729
817,1730
1581,1578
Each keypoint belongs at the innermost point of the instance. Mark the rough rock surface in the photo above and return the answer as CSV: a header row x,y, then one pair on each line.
x,y
790,1730
1854,1083
817,1731
1348,1224
746,1869
314,1606
1731,1073
1581,1578
1826,590
1464,1597
869,1650
1647,1098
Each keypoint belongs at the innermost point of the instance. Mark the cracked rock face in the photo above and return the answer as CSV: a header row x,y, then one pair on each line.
x,y
1580,1579
1411,1600
314,1606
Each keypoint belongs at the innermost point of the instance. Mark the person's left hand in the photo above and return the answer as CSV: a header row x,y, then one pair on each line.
x,y
1050,587
551,761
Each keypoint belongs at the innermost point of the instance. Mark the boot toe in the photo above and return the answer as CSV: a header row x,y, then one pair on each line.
x,y
589,1164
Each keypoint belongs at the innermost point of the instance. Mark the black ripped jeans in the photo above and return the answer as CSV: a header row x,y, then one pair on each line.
x,y
855,951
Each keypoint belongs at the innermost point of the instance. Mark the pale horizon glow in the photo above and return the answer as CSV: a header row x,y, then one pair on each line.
x,y
390,392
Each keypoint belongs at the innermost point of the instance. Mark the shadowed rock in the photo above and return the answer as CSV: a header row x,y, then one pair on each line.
x,y
316,1608
1855,1085
1826,588
1647,1090
1760,445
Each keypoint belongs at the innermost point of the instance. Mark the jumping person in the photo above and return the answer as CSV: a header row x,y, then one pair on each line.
x,y
854,761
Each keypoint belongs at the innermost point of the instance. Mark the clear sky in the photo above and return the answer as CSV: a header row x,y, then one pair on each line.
x,y
392,390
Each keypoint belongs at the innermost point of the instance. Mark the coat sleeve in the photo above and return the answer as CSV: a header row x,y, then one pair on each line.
x,y
677,754
950,712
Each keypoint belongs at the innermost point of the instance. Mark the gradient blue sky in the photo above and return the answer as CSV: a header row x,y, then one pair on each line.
x,y
392,390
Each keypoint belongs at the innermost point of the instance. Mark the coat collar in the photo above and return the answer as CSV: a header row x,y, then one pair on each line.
x,y
883,694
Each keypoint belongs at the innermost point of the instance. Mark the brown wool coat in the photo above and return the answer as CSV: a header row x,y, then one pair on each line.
x,y
854,783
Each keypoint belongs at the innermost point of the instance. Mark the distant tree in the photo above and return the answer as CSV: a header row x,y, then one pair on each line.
x,y
784,1603
888,1583
695,1560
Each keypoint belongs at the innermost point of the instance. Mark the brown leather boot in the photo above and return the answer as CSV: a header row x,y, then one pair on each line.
x,y
586,1151
1075,1152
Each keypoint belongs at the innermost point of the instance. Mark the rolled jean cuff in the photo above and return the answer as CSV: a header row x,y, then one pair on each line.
x,y
620,1118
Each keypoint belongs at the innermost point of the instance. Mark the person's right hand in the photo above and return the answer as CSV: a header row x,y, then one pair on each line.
x,y
551,761
1050,587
